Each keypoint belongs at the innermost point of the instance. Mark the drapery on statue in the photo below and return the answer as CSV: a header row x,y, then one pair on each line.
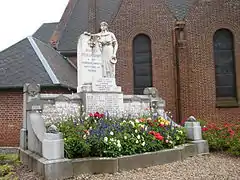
x,y
108,45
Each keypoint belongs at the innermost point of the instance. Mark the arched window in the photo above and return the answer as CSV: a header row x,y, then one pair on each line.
x,y
224,64
142,63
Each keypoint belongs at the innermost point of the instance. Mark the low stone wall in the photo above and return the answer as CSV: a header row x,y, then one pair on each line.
x,y
9,150
65,168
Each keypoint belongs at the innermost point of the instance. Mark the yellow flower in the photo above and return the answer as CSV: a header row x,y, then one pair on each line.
x,y
162,123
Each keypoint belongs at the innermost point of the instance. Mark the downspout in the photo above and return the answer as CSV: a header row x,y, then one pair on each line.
x,y
178,39
176,76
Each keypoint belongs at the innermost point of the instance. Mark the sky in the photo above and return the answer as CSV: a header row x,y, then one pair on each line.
x,y
21,18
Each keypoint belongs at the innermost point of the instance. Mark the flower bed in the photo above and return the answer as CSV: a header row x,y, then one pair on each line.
x,y
223,137
97,135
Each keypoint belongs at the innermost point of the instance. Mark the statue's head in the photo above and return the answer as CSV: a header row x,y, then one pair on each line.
x,y
104,26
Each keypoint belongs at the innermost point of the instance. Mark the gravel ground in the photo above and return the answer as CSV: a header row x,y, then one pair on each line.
x,y
214,166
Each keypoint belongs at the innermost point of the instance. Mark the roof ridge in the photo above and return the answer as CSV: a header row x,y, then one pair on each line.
x,y
57,33
43,60
64,57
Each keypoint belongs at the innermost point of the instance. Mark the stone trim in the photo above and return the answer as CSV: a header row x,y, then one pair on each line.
x,y
65,168
44,61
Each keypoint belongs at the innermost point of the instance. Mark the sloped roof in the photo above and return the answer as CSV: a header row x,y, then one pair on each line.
x,y
44,33
75,18
32,61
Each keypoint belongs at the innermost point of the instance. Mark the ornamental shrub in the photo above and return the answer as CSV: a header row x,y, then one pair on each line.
x,y
97,135
223,137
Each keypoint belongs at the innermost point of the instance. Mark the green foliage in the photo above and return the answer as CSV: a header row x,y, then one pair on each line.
x,y
99,136
234,147
5,170
9,157
223,137
7,164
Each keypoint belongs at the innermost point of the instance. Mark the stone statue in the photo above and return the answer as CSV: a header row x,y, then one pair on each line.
x,y
108,45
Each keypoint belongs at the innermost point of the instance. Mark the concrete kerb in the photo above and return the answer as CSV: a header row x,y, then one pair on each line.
x,y
9,150
65,168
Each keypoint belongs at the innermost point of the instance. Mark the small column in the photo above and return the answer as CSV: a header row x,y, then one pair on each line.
x,y
194,134
53,146
30,91
194,130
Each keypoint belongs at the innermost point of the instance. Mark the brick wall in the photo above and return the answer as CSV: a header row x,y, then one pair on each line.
x,y
11,109
10,117
197,63
154,19
197,77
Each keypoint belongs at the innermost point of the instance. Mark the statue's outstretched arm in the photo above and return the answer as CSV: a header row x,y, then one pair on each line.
x,y
90,34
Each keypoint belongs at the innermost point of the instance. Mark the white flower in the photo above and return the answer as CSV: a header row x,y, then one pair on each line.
x,y
180,132
125,137
139,137
105,139
143,144
137,121
84,136
136,131
118,144
132,123
111,139
111,133
137,141
124,121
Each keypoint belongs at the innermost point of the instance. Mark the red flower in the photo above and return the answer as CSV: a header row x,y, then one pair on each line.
x,y
98,115
152,132
91,114
158,136
161,125
204,129
231,132
87,132
142,120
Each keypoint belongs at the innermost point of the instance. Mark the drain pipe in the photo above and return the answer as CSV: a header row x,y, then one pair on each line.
x,y
178,40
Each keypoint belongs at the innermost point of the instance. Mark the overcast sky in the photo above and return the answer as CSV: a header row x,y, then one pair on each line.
x,y
21,18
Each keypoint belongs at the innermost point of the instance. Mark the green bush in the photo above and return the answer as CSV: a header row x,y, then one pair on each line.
x,y
223,137
100,136
5,170
234,147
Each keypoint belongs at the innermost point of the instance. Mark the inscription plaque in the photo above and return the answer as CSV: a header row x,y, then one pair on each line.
x,y
102,102
105,85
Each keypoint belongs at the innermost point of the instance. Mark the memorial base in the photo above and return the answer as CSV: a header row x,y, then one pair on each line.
x,y
111,102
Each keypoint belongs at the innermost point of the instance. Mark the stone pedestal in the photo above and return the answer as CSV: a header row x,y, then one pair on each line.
x,y
102,95
202,146
103,102
53,146
194,131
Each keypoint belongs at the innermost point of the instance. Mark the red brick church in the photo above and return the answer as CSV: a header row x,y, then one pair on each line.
x,y
188,49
